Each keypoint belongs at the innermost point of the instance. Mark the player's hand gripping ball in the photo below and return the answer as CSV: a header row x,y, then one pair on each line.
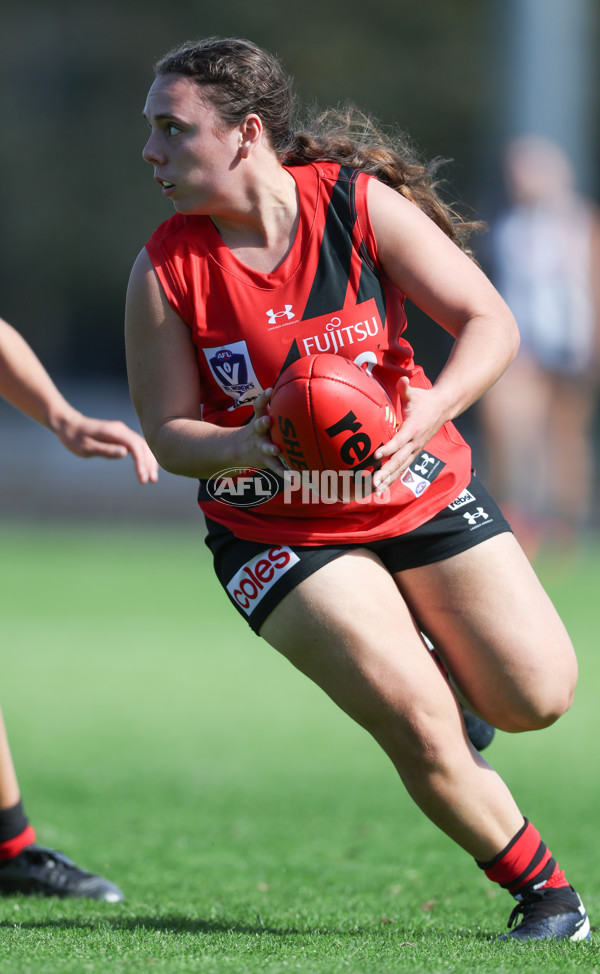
x,y
329,416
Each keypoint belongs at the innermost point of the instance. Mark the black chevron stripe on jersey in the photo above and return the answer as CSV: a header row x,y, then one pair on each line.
x,y
328,291
370,285
292,356
330,283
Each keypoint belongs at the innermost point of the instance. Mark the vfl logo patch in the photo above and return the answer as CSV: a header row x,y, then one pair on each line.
x,y
463,498
232,369
422,472
249,586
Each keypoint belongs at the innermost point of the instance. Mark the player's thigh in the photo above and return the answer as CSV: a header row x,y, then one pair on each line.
x,y
348,628
498,632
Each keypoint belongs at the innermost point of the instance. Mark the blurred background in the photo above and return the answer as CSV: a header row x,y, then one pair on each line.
x,y
462,78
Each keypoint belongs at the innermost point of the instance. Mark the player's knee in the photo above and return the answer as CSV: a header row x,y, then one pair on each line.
x,y
415,739
559,694
538,710
543,694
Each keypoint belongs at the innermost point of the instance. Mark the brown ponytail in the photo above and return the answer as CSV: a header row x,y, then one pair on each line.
x,y
350,137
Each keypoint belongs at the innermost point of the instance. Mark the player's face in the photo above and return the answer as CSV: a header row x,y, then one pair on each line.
x,y
194,155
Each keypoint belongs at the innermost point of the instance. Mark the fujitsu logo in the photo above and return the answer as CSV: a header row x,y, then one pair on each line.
x,y
252,582
287,312
337,336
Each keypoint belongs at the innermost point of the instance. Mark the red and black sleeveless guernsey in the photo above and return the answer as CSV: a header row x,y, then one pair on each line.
x,y
328,295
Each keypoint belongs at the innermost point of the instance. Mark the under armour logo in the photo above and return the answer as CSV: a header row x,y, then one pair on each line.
x,y
472,518
274,315
424,460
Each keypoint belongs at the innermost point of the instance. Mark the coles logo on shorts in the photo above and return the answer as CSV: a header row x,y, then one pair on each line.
x,y
249,586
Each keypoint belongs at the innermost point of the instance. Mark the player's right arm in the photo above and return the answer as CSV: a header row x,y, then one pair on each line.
x,y
167,395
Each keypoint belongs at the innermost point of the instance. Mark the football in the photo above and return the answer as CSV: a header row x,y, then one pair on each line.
x,y
330,415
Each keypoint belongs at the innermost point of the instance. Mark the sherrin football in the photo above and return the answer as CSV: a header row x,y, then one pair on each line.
x,y
329,414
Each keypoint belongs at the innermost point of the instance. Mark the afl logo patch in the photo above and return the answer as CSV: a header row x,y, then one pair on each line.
x,y
243,488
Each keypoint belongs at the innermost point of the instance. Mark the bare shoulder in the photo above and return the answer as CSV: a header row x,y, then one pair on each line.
x,y
142,263
146,301
143,276
412,249
402,227
387,205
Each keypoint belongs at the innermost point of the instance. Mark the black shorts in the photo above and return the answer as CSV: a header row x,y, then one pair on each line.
x,y
256,576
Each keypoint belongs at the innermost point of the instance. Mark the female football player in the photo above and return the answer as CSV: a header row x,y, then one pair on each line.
x,y
285,243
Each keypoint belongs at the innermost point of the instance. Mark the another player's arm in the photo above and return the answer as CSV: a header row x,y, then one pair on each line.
x,y
25,383
166,393
449,287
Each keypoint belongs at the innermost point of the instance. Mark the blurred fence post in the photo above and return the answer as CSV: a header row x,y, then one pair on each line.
x,y
549,76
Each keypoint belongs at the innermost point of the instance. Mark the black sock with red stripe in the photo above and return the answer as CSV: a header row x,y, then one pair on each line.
x,y
525,865
15,831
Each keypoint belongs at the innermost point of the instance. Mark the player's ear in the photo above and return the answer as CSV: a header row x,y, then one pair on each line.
x,y
251,131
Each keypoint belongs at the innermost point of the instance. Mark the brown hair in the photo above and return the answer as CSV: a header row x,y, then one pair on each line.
x,y
243,79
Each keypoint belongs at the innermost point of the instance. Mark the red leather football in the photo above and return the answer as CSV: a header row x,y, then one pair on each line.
x,y
330,415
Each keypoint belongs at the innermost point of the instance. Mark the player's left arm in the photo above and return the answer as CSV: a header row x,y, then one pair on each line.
x,y
447,285
25,383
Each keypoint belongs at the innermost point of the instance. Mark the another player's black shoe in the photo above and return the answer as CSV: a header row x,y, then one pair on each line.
x,y
38,871
550,914
479,732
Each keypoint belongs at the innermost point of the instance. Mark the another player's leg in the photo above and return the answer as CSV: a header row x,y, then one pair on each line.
x,y
378,670
31,869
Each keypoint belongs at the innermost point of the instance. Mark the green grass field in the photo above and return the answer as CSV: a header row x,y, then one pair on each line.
x,y
251,825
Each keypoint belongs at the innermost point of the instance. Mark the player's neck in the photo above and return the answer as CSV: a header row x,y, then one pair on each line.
x,y
262,234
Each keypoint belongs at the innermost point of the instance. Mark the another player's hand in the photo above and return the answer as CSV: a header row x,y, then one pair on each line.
x,y
111,439
421,419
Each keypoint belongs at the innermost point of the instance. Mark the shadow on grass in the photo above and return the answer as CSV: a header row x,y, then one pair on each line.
x,y
174,923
